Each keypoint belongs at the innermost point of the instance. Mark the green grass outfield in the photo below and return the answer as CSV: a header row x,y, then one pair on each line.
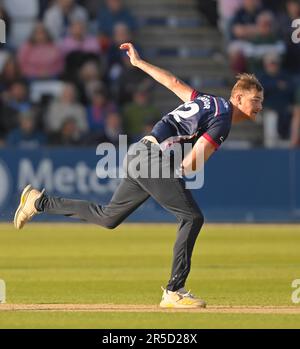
x,y
233,265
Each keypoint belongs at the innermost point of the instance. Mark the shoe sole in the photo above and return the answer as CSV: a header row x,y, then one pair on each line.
x,y
179,306
23,199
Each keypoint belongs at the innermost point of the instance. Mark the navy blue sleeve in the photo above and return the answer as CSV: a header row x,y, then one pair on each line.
x,y
217,133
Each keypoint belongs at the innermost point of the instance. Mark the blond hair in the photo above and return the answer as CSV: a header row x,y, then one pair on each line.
x,y
246,82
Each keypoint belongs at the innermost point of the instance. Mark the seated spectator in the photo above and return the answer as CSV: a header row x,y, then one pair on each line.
x,y
14,101
226,11
111,132
23,15
17,8
40,57
138,113
60,110
10,73
26,135
16,97
265,41
68,135
285,24
295,124
129,79
292,11
78,40
98,110
116,57
79,47
114,12
278,92
59,16
88,80
109,15
113,128
243,26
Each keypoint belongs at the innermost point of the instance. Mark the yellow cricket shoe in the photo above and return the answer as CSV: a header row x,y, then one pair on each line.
x,y
26,209
180,299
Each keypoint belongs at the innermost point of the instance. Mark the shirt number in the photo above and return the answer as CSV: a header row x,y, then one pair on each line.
x,y
185,111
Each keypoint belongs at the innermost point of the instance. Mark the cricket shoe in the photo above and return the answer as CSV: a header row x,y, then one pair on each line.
x,y
180,299
26,209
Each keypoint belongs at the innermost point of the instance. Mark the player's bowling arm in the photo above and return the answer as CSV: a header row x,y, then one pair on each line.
x,y
167,79
164,77
200,153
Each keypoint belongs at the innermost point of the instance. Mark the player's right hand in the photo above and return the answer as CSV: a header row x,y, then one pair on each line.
x,y
131,52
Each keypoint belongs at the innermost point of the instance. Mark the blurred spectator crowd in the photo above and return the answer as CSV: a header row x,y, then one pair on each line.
x,y
63,79
258,37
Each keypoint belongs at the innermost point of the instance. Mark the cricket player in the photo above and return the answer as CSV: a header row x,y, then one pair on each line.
x,y
205,119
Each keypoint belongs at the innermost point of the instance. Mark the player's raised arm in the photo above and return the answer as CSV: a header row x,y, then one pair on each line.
x,y
164,77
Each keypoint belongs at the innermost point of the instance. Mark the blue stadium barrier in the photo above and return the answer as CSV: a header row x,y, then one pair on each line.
x,y
240,185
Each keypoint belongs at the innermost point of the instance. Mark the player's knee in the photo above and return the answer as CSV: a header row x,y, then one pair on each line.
x,y
110,224
198,219
194,219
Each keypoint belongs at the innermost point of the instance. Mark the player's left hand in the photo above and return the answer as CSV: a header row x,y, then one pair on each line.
x,y
131,52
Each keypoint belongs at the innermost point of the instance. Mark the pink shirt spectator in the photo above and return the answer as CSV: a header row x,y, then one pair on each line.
x,y
227,8
40,61
88,45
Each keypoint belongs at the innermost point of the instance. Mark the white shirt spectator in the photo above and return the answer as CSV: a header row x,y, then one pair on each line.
x,y
58,113
64,108
23,15
54,19
22,9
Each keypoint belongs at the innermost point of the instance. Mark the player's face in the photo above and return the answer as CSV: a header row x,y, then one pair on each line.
x,y
250,103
